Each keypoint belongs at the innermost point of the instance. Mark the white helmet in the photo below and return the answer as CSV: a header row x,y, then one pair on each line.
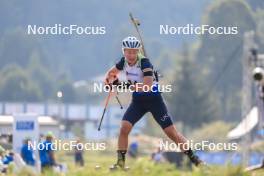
x,y
131,43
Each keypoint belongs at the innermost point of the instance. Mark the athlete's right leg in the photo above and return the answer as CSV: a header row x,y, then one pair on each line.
x,y
131,116
125,129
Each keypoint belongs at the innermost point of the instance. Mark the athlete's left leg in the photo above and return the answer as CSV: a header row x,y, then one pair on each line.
x,y
160,114
182,142
176,137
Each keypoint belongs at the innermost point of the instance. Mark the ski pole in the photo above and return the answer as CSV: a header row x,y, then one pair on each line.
x,y
106,104
121,107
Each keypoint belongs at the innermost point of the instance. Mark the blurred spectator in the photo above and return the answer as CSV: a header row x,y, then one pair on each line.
x,y
157,157
8,158
133,149
41,138
78,154
46,154
27,153
2,166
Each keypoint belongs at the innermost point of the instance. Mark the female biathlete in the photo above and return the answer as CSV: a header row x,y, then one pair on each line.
x,y
139,72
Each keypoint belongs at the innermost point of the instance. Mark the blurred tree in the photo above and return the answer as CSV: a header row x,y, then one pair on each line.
x,y
16,48
71,50
16,85
42,76
65,85
259,16
218,53
208,132
188,102
256,4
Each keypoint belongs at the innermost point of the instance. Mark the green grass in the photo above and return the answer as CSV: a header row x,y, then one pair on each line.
x,y
139,167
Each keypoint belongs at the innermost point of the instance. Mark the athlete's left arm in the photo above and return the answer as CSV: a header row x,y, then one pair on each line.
x,y
148,81
147,70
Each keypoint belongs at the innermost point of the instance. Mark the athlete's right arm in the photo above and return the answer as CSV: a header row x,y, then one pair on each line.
x,y
111,75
